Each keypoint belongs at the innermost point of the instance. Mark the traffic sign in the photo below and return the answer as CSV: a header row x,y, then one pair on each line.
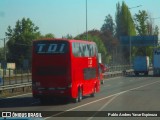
x,y
139,40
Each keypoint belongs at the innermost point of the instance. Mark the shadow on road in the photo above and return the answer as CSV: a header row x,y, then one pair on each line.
x,y
32,102
29,102
16,102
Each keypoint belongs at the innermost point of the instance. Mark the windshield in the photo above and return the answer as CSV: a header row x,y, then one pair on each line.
x,y
51,47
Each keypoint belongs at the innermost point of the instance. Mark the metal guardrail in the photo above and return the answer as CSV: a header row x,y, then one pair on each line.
x,y
17,77
21,76
29,84
118,73
120,68
7,87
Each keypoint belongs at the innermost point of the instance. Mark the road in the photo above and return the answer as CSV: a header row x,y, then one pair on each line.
x,y
128,93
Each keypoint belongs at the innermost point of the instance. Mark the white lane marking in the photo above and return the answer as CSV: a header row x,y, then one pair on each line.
x,y
112,78
101,99
107,103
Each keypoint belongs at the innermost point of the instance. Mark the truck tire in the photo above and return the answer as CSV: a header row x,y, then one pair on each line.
x,y
136,73
146,73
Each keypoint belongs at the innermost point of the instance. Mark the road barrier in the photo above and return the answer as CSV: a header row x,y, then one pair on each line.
x,y
120,68
118,73
7,87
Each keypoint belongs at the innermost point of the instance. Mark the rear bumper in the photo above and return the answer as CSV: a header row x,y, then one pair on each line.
x,y
140,71
49,93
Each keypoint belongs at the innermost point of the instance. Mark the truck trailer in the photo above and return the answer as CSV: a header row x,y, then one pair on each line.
x,y
156,62
141,65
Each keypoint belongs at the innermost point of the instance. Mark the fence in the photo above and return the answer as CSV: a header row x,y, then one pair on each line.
x,y
120,68
14,81
10,77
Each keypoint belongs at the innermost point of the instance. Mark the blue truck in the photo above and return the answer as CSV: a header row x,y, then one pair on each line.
x,y
141,65
156,62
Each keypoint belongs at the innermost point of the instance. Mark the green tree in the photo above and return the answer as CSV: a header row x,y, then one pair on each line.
x,y
20,40
124,22
150,25
111,44
68,36
1,54
92,36
141,22
49,35
108,25
118,20
124,27
144,26
151,28
156,30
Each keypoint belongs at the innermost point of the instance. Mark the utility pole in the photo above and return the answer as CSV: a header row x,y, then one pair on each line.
x,y
4,49
86,23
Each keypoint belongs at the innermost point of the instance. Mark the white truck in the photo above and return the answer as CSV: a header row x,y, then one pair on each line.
x,y
156,62
141,65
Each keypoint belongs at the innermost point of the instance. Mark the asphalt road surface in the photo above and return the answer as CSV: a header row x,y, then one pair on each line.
x,y
118,96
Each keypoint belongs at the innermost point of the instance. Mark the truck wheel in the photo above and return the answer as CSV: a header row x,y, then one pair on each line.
x,y
146,73
136,73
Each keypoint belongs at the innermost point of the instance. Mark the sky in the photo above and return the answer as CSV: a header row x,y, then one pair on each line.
x,y
62,17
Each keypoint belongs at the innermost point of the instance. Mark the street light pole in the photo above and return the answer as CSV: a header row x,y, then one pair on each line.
x,y
86,22
4,49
